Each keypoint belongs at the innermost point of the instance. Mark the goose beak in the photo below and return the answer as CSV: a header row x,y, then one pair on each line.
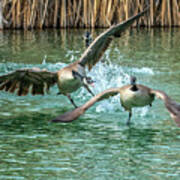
x,y
89,81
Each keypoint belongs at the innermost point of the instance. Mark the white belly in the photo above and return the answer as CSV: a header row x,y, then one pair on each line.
x,y
130,99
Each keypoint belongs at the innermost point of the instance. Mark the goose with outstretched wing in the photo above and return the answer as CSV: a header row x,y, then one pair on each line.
x,y
71,77
132,95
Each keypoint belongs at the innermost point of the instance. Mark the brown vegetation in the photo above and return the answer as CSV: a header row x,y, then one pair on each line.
x,y
30,14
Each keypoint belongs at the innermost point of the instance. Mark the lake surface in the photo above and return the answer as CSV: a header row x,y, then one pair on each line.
x,y
98,145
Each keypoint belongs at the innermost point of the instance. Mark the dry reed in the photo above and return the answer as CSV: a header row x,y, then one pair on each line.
x,y
30,14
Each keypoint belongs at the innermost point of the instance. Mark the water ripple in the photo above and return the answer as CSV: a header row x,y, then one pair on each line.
x,y
98,145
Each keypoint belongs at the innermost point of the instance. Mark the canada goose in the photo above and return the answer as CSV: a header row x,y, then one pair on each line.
x,y
71,77
87,38
132,95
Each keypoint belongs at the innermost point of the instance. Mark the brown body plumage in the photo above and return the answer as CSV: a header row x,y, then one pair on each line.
x,y
70,78
133,95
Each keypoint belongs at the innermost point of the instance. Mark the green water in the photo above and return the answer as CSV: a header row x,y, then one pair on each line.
x,y
98,145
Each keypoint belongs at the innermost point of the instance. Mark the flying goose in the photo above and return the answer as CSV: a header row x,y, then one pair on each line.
x,y
71,77
132,95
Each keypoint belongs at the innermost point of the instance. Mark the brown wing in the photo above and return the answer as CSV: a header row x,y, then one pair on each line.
x,y
108,93
172,106
167,100
22,80
74,114
97,48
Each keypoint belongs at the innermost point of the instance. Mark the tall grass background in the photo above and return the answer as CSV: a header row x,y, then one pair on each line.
x,y
38,14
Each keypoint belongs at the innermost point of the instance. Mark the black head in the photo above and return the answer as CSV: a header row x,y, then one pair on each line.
x,y
133,80
133,83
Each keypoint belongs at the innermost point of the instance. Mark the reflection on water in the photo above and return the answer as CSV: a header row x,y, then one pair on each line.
x,y
98,145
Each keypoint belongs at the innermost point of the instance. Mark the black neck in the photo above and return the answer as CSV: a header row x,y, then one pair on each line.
x,y
134,88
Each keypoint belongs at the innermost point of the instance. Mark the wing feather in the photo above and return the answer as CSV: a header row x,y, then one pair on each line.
x,y
22,80
108,93
172,106
97,48
74,114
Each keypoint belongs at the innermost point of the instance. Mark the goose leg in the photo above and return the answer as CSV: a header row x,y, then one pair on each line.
x,y
129,118
69,97
88,89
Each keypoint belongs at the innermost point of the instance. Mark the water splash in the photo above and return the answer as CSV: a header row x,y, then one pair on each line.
x,y
105,74
143,70
72,55
44,59
108,75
